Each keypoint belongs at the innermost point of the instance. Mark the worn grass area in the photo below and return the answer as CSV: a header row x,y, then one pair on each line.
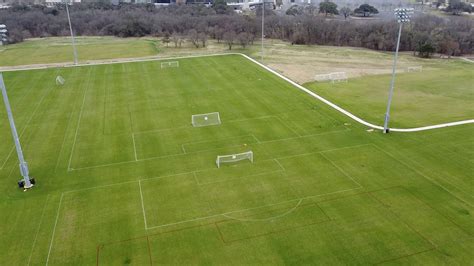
x,y
441,93
123,177
59,50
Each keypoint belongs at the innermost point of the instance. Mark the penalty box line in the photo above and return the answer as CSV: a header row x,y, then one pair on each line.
x,y
188,153
249,209
29,119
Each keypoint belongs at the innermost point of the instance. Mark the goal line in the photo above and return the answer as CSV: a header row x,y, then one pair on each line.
x,y
169,64
231,158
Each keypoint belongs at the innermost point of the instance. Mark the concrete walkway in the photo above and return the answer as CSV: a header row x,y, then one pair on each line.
x,y
338,108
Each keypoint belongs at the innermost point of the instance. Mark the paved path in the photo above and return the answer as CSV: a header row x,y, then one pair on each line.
x,y
338,108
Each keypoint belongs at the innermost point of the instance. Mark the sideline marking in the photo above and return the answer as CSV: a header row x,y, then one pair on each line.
x,y
143,205
54,229
37,231
79,120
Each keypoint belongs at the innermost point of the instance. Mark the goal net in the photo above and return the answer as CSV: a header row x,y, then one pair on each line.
x,y
322,77
338,77
333,77
209,119
415,69
234,158
169,64
60,80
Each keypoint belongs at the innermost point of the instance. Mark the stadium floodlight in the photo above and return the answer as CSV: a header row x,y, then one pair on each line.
x,y
234,158
23,165
3,34
403,16
72,33
209,119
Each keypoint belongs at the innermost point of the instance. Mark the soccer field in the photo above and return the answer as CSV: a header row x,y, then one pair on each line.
x,y
124,177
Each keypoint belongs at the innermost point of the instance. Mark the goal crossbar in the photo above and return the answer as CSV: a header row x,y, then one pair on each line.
x,y
333,77
208,119
415,69
169,64
231,158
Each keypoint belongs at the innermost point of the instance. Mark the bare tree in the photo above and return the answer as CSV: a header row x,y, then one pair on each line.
x,y
244,39
193,36
229,38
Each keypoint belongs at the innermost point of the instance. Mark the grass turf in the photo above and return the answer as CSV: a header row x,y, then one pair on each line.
x,y
441,93
59,50
125,179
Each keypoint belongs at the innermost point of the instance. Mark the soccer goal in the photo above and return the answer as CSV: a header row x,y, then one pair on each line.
x,y
333,77
60,80
234,158
322,77
209,119
338,77
415,69
169,64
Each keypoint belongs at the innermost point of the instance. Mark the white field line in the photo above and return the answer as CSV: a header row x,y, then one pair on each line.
x,y
266,219
340,169
197,152
253,136
345,112
249,209
279,164
79,121
37,230
134,147
65,136
187,127
421,174
54,229
213,168
240,177
287,126
196,179
214,140
28,122
143,205
121,61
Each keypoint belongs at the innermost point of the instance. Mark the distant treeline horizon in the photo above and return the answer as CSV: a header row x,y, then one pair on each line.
x,y
425,35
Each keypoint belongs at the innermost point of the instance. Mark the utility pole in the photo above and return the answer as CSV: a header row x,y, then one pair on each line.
x,y
72,33
403,16
23,165
263,28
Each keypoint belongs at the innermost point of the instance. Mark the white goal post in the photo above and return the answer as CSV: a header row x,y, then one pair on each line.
x,y
338,77
209,119
60,80
415,69
333,77
234,158
169,64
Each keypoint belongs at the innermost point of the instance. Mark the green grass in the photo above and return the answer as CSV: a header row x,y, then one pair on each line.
x,y
59,50
441,93
115,185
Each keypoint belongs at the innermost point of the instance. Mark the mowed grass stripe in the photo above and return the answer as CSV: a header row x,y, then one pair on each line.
x,y
304,155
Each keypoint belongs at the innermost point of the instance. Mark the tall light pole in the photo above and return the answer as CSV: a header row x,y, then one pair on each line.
x,y
72,34
403,16
263,28
3,34
23,165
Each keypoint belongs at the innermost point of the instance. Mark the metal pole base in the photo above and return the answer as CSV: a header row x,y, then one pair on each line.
x,y
386,131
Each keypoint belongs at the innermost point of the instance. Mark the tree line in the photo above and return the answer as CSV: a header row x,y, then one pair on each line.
x,y
425,35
